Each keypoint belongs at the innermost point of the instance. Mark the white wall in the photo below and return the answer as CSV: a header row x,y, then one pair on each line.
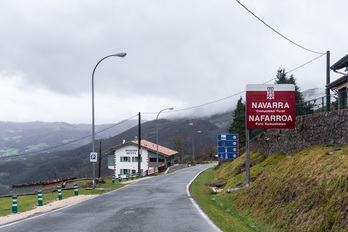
x,y
131,152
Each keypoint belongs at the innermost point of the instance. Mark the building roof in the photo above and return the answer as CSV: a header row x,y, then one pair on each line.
x,y
339,83
342,63
148,145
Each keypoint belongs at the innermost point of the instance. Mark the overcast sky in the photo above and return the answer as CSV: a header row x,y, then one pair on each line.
x,y
180,53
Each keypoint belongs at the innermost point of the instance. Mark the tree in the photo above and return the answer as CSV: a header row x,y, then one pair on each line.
x,y
238,124
180,146
282,78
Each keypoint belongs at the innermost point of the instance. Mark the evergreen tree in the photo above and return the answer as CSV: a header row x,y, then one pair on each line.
x,y
238,125
282,78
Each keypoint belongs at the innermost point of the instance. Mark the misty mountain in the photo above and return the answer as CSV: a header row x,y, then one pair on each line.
x,y
311,94
32,137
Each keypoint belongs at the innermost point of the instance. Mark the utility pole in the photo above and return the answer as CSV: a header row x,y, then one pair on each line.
x,y
328,100
139,146
100,149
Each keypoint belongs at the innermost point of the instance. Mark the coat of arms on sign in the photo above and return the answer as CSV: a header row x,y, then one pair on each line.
x,y
270,93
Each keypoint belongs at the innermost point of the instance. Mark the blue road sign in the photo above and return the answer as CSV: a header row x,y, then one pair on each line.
x,y
93,157
228,146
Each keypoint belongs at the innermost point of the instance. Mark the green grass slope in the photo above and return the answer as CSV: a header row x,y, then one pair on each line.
x,y
304,191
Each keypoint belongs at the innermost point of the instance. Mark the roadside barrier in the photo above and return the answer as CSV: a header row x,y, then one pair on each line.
x,y
14,204
127,177
176,167
132,176
113,178
39,198
119,178
76,189
60,197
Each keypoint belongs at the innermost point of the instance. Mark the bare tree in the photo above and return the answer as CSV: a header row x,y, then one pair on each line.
x,y
179,145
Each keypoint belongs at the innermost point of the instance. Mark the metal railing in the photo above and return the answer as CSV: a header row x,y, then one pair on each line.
x,y
337,101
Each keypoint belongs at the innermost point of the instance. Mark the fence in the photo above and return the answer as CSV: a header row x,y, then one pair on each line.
x,y
337,101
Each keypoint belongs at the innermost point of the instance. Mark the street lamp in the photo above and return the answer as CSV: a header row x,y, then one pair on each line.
x,y
193,142
193,145
157,133
123,54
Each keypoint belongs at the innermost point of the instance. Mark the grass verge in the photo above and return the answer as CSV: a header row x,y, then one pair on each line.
x,y
29,202
221,210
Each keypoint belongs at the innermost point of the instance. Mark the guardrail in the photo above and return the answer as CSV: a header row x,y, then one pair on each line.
x,y
176,167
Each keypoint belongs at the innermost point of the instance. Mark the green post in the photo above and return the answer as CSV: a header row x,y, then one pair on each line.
x,y
113,178
127,177
60,197
132,176
39,198
76,189
119,178
146,173
137,175
141,174
14,204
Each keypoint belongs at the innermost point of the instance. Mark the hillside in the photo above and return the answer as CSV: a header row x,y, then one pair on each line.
x,y
304,191
43,166
17,139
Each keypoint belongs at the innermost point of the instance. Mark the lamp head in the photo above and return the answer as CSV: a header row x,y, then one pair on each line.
x,y
122,54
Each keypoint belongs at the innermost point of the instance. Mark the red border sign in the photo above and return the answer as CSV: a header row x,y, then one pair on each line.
x,y
270,106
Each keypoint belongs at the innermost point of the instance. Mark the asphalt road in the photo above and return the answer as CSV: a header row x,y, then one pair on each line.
x,y
161,203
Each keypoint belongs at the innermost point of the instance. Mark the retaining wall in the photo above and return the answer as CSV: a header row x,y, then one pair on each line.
x,y
328,128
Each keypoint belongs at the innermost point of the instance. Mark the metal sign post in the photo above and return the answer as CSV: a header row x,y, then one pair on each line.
x,y
247,160
93,159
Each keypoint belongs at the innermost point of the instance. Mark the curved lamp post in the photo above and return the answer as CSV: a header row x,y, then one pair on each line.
x,y
123,54
193,142
157,133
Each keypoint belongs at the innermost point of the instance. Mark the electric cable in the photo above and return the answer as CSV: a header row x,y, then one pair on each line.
x,y
284,37
73,141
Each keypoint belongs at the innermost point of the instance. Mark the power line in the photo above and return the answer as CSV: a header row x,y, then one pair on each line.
x,y
297,67
73,141
305,63
277,31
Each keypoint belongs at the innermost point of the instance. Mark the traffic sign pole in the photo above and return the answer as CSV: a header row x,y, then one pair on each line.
x,y
247,161
93,159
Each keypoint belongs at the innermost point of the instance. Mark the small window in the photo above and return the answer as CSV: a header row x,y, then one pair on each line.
x,y
136,159
125,159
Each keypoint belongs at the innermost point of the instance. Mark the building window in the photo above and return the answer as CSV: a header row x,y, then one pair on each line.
x,y
135,159
124,171
125,159
153,160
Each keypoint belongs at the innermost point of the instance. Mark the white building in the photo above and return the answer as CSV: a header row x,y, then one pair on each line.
x,y
123,158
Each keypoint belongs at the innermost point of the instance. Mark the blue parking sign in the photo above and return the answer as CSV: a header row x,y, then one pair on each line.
x,y
93,157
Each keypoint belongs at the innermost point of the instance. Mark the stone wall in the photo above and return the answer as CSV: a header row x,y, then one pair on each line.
x,y
328,128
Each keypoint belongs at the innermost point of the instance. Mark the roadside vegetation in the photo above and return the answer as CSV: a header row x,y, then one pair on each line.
x,y
29,202
302,191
